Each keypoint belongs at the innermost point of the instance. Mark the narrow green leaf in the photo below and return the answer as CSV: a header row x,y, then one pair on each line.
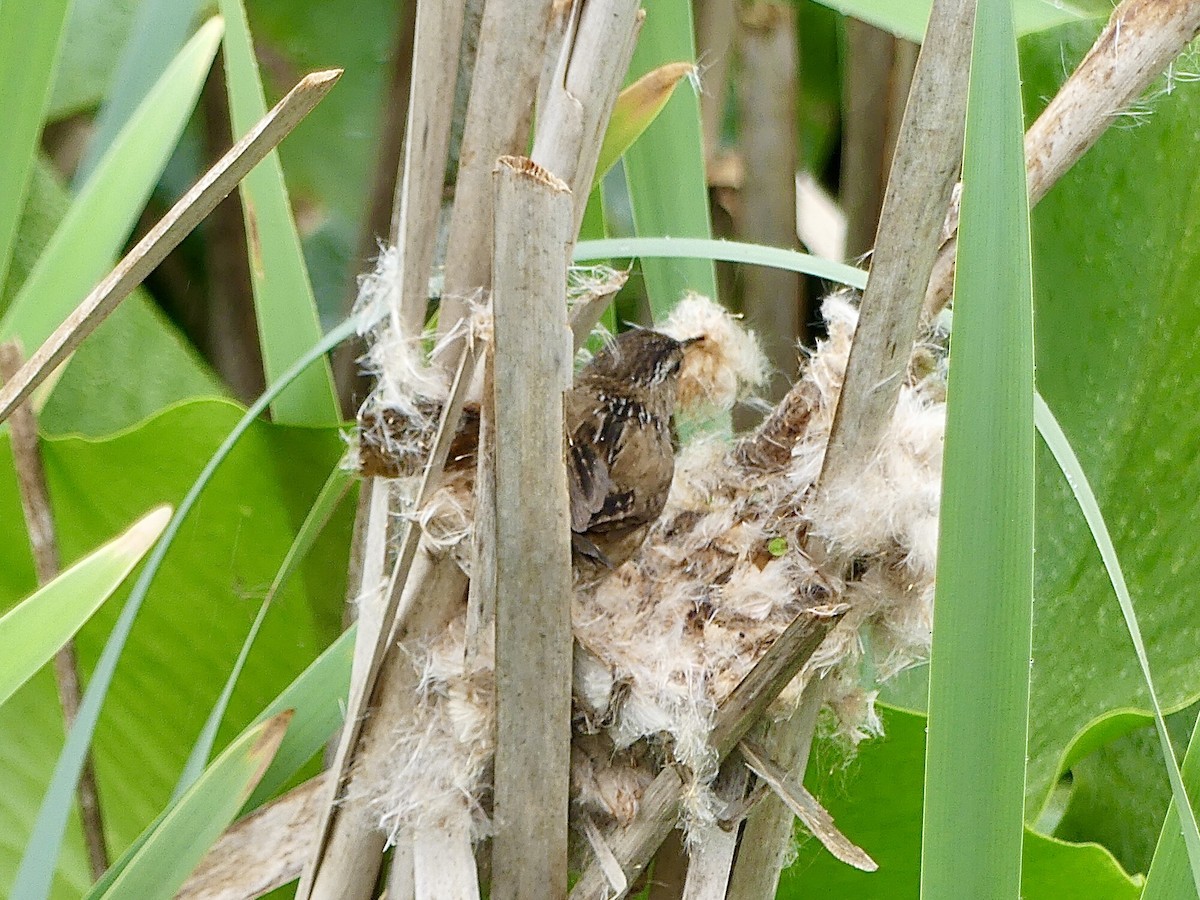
x,y
30,38
180,838
102,216
157,32
32,632
1173,862
979,666
725,251
668,189
41,852
331,494
636,107
1175,829
318,695
283,296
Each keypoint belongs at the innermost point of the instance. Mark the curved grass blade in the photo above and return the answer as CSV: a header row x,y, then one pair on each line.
x,y
331,495
98,222
178,839
982,630
41,852
1181,810
30,38
725,251
34,630
283,296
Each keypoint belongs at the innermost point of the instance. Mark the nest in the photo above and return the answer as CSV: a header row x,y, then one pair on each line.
x,y
730,563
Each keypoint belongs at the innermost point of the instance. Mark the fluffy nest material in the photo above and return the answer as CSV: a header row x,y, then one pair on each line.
x,y
667,637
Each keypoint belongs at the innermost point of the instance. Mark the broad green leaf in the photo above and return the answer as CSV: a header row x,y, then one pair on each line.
x,y
179,840
37,864
32,632
283,297
332,492
982,620
636,107
907,18
30,36
876,800
195,617
665,167
1116,321
99,220
1065,456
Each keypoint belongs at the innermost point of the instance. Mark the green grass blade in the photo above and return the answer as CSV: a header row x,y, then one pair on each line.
x,y
155,36
97,224
33,631
332,492
668,189
725,251
319,697
1185,827
41,852
1171,873
283,295
179,839
907,18
30,37
979,666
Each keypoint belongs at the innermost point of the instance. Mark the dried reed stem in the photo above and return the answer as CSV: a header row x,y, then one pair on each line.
x,y
1139,42
532,365
166,235
43,541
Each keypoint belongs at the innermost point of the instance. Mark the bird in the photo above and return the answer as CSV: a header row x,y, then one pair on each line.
x,y
621,447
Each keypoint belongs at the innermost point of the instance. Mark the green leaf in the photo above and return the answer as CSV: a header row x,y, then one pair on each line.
x,y
179,840
982,628
283,297
1172,871
1116,323
30,36
332,492
907,18
37,865
668,189
32,632
101,217
1053,435
876,800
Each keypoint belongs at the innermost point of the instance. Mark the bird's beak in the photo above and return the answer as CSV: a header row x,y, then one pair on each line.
x,y
695,340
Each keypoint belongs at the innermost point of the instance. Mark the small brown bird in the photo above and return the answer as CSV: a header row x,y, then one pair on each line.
x,y
621,447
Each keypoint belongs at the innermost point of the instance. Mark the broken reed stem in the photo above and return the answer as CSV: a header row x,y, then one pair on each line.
x,y
1139,42
512,36
658,812
579,99
43,541
165,236
261,852
419,197
924,170
532,358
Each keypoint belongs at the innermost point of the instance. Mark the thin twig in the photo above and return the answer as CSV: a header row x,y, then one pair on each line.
x,y
164,237
43,541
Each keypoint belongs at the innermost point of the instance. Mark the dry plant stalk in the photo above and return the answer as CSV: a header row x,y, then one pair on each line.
x,y
43,541
532,370
1139,42
213,187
